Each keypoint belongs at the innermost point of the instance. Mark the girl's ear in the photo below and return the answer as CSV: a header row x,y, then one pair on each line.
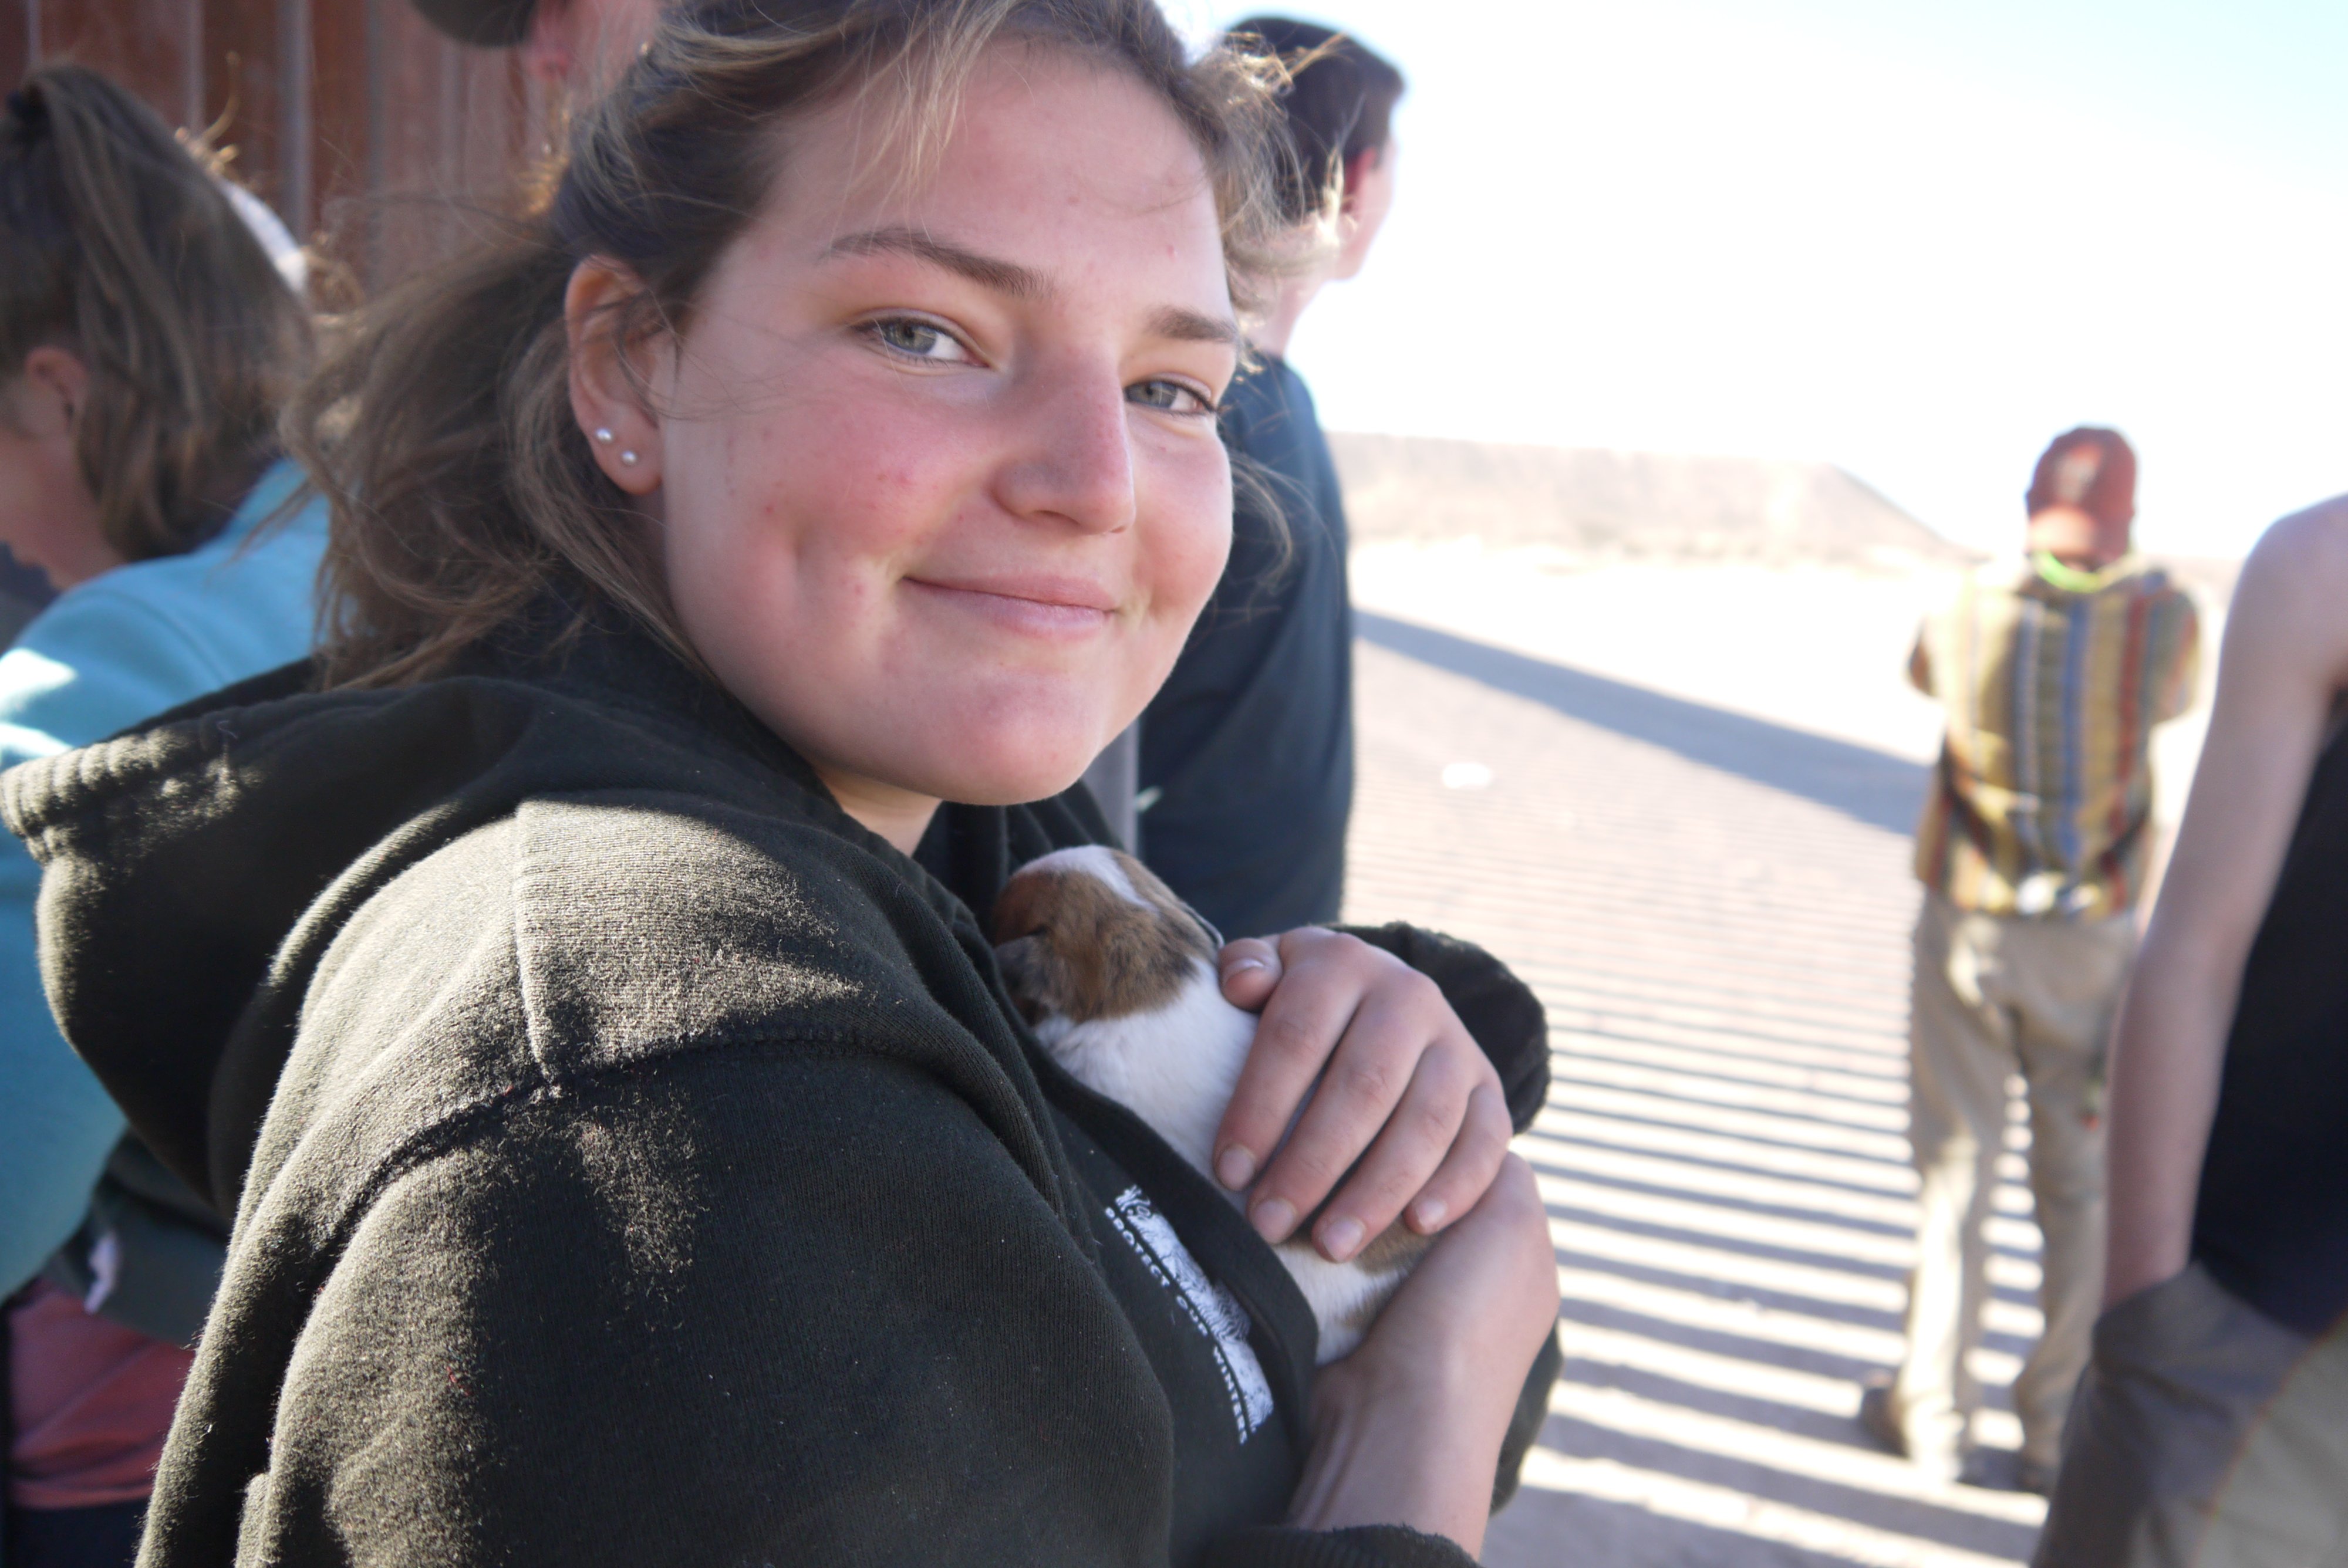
x,y
1359,171
51,394
605,398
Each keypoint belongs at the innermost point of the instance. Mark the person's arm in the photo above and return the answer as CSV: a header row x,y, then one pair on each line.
x,y
57,1122
95,662
797,1305
1439,1375
1502,1017
2284,664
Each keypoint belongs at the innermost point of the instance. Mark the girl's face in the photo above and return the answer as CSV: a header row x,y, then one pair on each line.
x,y
48,518
936,464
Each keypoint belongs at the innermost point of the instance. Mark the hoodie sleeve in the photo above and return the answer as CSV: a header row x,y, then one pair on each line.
x,y
795,1305
91,664
1372,1546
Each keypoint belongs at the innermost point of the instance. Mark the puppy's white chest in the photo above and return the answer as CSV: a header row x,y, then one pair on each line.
x,y
1174,1067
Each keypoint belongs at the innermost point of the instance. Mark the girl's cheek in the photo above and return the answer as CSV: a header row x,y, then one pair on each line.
x,y
897,464
1192,538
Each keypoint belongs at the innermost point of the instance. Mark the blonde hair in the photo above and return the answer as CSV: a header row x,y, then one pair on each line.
x,y
463,496
118,244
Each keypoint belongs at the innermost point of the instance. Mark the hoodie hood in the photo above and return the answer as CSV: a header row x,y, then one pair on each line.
x,y
197,867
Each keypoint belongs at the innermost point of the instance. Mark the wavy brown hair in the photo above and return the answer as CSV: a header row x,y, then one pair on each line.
x,y
464,494
1339,106
118,244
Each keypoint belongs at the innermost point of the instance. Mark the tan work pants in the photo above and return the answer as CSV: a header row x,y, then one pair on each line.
x,y
1996,996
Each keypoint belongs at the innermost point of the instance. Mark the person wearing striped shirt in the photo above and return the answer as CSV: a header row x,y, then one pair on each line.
x,y
2051,671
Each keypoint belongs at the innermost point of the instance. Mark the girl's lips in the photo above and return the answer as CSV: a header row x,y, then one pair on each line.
x,y
1053,609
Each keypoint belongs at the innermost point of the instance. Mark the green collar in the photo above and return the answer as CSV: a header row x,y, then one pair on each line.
x,y
2071,579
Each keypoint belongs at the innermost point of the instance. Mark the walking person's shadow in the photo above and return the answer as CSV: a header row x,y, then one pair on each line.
x,y
1872,786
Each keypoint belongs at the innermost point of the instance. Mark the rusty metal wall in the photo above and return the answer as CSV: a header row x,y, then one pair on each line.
x,y
365,128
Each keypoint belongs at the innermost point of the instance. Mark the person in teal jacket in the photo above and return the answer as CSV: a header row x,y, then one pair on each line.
x,y
106,654
148,342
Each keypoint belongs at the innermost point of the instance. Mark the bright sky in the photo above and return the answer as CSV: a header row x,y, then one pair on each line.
x,y
1914,239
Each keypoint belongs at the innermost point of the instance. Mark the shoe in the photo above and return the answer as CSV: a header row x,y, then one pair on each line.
x,y
1876,1417
1992,1469
1997,1470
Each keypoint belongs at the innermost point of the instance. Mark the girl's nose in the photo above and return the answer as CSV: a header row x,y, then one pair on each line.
x,y
1076,458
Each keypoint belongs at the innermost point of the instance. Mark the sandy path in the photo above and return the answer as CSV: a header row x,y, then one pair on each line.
x,y
1815,648
1722,946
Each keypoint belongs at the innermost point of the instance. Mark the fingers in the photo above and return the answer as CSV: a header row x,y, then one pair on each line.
x,y
1436,1152
1394,1097
1488,1284
1404,1108
1496,1263
1313,997
1471,1166
1413,1130
1513,1201
1250,968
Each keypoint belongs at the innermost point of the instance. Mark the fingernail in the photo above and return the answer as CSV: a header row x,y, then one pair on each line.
x,y
1275,1219
1234,1167
1340,1236
1427,1214
1241,966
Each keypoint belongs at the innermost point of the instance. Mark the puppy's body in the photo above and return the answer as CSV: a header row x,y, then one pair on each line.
x,y
1118,979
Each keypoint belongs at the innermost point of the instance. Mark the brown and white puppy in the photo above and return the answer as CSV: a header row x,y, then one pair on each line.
x,y
1117,977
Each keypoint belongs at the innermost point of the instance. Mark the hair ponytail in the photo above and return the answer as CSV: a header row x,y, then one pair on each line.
x,y
118,244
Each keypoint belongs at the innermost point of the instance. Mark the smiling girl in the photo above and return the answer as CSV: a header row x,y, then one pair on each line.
x,y
584,1003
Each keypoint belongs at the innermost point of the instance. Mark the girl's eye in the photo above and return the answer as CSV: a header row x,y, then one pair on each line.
x,y
918,339
1171,396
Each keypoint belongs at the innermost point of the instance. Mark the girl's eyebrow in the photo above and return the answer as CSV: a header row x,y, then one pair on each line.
x,y
1006,278
1194,326
1016,282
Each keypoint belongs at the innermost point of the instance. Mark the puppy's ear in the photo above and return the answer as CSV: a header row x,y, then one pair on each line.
x,y
1151,889
1018,960
1025,904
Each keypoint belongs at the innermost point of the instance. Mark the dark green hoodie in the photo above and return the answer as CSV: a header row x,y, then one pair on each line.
x,y
634,1160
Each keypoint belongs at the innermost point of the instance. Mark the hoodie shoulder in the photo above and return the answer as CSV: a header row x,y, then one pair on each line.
x,y
669,879
190,863
649,926
647,922
616,935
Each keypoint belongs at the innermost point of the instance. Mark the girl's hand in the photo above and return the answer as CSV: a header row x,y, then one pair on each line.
x,y
1397,1075
1407,1430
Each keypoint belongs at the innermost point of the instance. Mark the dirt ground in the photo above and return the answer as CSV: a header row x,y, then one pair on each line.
x,y
1715,908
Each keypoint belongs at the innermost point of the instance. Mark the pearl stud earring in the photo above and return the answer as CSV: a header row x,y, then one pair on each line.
x,y
628,458
602,436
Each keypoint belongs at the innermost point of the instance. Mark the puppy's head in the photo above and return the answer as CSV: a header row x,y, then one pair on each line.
x,y
1090,933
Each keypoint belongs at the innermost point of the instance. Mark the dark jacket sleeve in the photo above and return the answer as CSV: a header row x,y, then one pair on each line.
x,y
749,1307
1372,1546
1500,1009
